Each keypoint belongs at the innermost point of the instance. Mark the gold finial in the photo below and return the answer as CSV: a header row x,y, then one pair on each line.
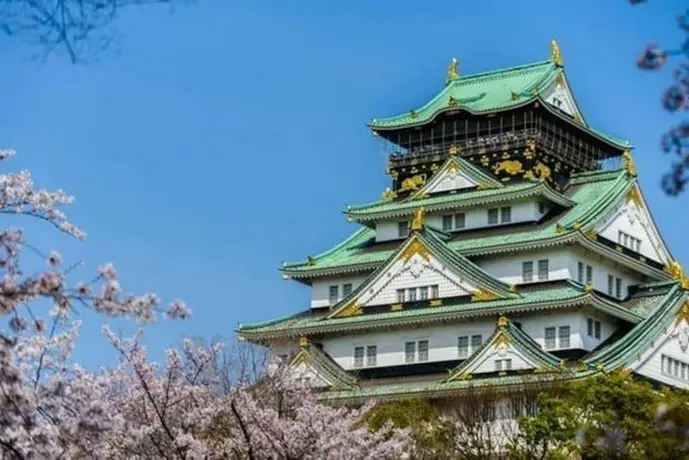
x,y
588,287
629,163
303,342
388,195
452,73
453,150
676,272
555,55
503,322
417,221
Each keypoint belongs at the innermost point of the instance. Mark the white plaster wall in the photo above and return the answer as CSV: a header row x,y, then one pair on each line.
x,y
320,290
608,325
563,264
443,338
566,101
633,221
508,268
524,211
601,268
442,342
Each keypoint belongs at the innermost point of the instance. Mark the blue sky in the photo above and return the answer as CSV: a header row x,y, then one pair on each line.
x,y
216,140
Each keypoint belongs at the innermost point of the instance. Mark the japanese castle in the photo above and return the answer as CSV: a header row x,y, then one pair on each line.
x,y
514,240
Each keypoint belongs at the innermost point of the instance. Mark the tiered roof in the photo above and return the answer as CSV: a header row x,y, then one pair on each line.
x,y
586,200
494,91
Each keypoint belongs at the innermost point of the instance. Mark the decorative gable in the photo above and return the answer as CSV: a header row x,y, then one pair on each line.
x,y
318,370
558,95
423,262
508,349
629,224
667,358
456,174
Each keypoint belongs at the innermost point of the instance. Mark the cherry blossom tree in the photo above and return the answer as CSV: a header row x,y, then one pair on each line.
x,y
675,99
195,405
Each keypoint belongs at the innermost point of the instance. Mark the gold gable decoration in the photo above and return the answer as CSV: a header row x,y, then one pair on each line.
x,y
452,72
555,54
501,339
303,342
683,313
414,182
352,309
481,295
416,247
388,195
629,163
417,221
503,322
676,272
635,197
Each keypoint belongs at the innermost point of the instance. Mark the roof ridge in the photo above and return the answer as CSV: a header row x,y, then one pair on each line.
x,y
488,73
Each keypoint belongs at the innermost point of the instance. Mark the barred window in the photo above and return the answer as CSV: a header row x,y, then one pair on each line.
x,y
447,223
527,271
563,336
346,289
403,229
618,288
333,294
543,269
460,220
358,357
476,341
409,352
549,338
506,215
371,355
463,347
611,282
423,293
493,216
580,272
423,350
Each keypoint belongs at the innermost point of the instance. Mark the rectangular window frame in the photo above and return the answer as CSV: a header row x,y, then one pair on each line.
x,y
409,352
618,288
460,221
447,223
564,334
493,216
333,294
506,214
359,355
543,269
527,271
371,355
346,289
403,229
550,338
463,346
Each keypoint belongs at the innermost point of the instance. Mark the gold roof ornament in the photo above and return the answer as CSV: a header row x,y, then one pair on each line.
x,y
503,322
555,54
676,272
388,195
303,342
588,287
629,163
417,221
452,73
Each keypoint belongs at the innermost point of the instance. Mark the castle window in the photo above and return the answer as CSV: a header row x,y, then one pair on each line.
x,y
674,368
493,216
589,274
476,341
580,272
358,357
409,352
550,338
611,282
401,298
527,271
593,328
563,336
423,293
346,289
628,241
460,220
543,269
463,347
618,288
435,291
371,355
503,364
333,294
411,294
423,350
447,223
403,229
506,215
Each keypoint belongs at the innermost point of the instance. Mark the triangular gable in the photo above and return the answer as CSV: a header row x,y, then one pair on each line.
x,y
456,174
559,96
631,216
423,260
508,342
319,370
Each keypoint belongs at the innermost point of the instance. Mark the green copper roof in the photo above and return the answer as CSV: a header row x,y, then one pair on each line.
x,y
387,209
546,297
493,91
591,192
323,365
481,93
